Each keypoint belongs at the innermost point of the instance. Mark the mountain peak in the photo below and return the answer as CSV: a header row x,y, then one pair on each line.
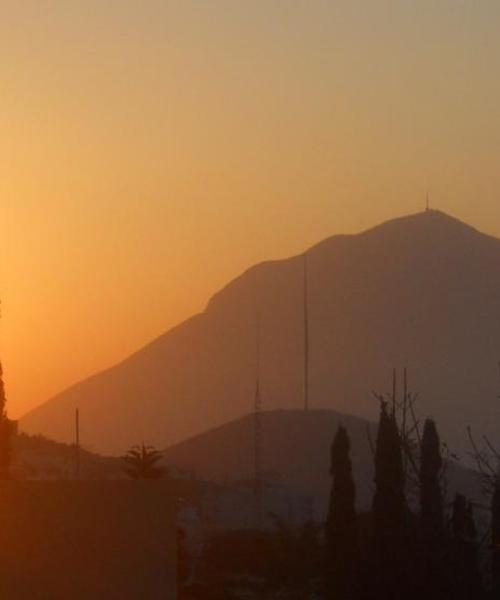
x,y
430,220
430,226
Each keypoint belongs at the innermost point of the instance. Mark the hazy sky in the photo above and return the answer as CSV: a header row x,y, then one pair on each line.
x,y
151,150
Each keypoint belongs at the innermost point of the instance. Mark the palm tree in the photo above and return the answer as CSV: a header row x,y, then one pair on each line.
x,y
140,462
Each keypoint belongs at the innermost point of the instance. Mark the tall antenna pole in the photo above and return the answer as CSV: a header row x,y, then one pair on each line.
x,y
405,401
394,390
258,433
306,336
77,443
403,424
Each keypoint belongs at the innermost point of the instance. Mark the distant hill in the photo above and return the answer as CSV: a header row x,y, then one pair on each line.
x,y
36,457
422,291
296,454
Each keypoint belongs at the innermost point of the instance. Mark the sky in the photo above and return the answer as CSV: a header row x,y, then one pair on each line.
x,y
151,151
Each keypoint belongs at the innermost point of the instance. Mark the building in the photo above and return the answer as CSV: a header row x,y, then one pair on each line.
x,y
99,540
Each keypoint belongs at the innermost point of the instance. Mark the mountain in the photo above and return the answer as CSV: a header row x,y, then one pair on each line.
x,y
421,291
295,453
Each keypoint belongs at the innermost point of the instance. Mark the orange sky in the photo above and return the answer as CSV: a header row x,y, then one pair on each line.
x,y
151,151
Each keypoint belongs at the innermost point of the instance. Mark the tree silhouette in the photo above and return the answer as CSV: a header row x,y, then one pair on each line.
x,y
389,505
6,428
487,461
141,462
389,549
465,568
431,500
297,558
495,538
341,525
432,527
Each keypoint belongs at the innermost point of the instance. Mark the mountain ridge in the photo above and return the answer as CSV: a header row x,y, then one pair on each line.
x,y
295,453
419,291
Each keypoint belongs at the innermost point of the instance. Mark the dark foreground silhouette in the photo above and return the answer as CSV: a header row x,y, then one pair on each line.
x,y
412,544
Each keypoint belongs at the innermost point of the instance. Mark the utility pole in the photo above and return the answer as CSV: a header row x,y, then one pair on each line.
x,y
306,335
394,391
258,487
405,401
403,423
77,443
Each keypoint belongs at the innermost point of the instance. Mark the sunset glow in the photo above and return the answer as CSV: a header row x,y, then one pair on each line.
x,y
152,151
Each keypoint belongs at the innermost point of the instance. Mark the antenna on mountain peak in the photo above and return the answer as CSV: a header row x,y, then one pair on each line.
x,y
427,202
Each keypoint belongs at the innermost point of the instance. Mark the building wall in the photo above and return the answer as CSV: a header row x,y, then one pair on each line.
x,y
233,507
87,540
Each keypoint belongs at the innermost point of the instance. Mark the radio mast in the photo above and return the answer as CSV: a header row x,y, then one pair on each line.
x,y
306,335
258,487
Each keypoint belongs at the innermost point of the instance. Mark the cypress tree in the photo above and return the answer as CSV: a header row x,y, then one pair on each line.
x,y
341,525
432,514
389,506
5,432
431,499
390,548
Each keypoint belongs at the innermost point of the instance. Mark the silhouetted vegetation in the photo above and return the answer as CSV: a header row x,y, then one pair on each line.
x,y
6,430
341,525
141,462
413,544
465,575
495,539
488,465
406,547
389,512
279,563
432,522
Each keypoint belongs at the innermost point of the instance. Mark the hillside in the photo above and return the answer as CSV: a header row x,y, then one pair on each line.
x,y
36,457
295,452
421,291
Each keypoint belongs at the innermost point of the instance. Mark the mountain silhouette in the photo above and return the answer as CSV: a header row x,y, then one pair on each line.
x,y
295,452
421,292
